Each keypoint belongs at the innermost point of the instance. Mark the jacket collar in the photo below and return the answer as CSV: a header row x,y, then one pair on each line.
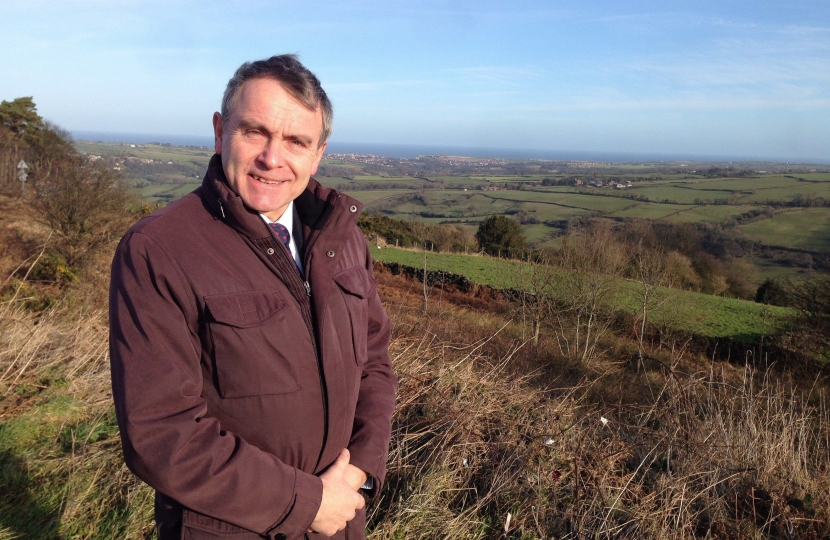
x,y
317,207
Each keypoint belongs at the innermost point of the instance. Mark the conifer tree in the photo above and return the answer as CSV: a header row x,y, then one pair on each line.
x,y
498,234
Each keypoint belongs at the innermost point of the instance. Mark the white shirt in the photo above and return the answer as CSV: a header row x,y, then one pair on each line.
x,y
287,221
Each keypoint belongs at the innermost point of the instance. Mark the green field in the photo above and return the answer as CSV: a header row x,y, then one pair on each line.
x,y
807,228
649,210
702,314
683,194
367,197
677,196
509,178
575,200
167,192
711,213
788,193
747,184
458,181
332,181
737,190
540,234
382,179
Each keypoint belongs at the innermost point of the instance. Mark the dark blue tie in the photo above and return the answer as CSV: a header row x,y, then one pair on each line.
x,y
281,232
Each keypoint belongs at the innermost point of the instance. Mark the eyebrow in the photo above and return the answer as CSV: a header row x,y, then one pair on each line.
x,y
305,140
246,123
250,124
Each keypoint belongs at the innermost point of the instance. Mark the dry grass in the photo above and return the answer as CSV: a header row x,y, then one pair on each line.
x,y
493,437
479,452
60,458
61,472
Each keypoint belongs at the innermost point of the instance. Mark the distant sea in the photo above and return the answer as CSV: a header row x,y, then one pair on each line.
x,y
408,151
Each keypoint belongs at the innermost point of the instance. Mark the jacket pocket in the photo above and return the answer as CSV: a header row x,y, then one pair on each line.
x,y
251,348
356,287
196,526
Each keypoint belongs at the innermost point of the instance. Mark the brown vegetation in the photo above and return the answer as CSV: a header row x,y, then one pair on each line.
x,y
81,201
495,437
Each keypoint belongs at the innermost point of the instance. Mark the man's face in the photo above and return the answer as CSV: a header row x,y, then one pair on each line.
x,y
269,146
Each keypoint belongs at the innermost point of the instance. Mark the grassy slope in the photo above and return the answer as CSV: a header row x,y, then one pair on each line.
x,y
707,315
807,228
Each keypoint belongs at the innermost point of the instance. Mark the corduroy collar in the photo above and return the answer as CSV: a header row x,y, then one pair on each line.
x,y
316,206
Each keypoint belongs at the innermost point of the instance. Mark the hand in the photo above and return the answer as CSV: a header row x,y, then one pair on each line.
x,y
354,476
340,500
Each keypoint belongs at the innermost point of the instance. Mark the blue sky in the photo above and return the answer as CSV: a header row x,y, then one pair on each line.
x,y
729,78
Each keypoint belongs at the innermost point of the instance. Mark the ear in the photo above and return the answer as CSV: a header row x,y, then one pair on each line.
x,y
317,157
218,129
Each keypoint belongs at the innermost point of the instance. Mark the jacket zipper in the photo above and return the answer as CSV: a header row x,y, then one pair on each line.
x,y
302,295
306,302
323,389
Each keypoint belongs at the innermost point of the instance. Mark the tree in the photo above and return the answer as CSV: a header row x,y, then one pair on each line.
x,y
812,329
591,264
25,135
535,292
83,202
650,270
773,292
499,234
21,118
12,150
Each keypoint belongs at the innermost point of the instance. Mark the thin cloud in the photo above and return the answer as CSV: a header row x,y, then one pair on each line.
x,y
498,74
364,86
748,61
533,110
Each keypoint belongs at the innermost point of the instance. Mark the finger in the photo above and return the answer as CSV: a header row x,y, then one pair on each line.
x,y
342,460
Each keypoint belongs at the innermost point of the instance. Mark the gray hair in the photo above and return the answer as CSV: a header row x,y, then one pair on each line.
x,y
298,81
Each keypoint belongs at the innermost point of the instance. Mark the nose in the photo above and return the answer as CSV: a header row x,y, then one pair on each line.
x,y
271,156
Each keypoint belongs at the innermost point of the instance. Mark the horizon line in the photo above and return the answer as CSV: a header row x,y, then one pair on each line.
x,y
503,153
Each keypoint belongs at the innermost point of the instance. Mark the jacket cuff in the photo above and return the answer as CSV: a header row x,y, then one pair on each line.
x,y
373,466
308,491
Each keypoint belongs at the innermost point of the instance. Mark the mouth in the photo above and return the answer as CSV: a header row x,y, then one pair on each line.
x,y
265,181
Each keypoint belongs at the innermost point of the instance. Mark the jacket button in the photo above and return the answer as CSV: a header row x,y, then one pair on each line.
x,y
269,251
329,254
353,209
280,536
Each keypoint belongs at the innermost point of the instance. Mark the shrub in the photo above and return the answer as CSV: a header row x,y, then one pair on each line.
x,y
83,202
52,266
812,299
773,292
499,234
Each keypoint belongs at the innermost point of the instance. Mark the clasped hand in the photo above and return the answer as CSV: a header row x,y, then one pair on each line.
x,y
341,499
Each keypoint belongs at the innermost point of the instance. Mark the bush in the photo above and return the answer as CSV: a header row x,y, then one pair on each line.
x,y
443,237
83,202
812,299
773,292
52,266
499,234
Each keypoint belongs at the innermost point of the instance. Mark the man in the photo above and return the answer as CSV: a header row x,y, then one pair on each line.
x,y
250,371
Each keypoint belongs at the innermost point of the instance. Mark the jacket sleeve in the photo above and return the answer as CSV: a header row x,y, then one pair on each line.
x,y
372,431
168,440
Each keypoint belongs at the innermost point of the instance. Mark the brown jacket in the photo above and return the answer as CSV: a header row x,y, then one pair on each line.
x,y
235,382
